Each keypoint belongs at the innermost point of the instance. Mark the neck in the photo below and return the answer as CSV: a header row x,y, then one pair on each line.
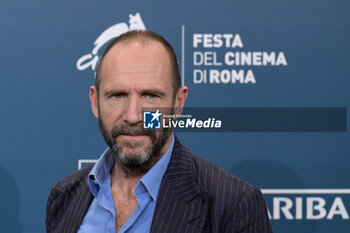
x,y
121,177
128,177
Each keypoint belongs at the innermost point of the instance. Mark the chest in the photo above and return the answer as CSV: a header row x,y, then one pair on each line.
x,y
124,204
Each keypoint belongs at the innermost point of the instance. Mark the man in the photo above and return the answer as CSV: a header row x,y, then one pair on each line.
x,y
147,181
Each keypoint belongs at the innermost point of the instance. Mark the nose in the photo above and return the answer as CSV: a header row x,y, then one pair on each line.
x,y
133,111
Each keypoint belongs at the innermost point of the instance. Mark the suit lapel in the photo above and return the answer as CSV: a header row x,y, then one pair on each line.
x,y
76,210
181,206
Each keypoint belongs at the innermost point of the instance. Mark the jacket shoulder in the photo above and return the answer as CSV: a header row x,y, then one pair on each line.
x,y
210,177
225,190
73,180
231,199
64,193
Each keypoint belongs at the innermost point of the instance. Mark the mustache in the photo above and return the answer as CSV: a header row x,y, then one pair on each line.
x,y
131,130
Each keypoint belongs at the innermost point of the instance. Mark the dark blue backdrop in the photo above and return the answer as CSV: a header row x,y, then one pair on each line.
x,y
47,125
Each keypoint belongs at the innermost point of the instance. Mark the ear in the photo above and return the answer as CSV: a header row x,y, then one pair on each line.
x,y
94,100
180,99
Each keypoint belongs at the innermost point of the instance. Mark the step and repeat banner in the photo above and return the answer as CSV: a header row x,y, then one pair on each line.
x,y
253,63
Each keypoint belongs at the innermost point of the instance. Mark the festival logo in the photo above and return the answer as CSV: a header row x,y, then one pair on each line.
x,y
91,59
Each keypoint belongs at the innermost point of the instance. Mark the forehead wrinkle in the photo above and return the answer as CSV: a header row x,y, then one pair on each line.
x,y
134,87
136,69
132,72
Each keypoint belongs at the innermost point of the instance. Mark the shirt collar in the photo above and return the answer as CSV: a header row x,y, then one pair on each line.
x,y
100,173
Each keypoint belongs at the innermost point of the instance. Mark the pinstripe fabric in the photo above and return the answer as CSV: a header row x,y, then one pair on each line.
x,y
68,203
195,196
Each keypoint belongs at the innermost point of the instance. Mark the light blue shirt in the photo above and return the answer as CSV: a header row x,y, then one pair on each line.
x,y
101,214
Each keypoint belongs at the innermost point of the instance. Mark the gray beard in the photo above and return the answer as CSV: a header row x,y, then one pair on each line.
x,y
134,160
137,163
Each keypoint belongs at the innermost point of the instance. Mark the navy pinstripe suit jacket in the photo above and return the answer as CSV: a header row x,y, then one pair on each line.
x,y
195,196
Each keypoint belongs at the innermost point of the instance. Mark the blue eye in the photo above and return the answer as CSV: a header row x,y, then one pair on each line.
x,y
151,96
118,96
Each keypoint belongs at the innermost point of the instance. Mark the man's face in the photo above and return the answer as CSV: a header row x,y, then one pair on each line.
x,y
133,76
